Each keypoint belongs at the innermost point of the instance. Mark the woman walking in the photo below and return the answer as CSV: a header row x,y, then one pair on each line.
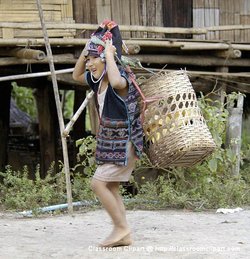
x,y
120,134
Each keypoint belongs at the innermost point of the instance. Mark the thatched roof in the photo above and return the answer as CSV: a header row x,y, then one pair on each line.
x,y
20,122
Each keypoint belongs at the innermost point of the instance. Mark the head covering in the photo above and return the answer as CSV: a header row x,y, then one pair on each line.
x,y
107,30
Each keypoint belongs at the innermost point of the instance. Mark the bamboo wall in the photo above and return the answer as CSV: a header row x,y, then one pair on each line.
x,y
55,11
208,13
194,13
132,12
168,13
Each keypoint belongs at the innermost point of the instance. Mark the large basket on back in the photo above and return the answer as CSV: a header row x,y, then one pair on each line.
x,y
175,130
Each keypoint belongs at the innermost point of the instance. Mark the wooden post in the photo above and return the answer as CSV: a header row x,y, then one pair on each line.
x,y
79,130
46,109
221,88
58,107
81,16
5,96
234,128
93,116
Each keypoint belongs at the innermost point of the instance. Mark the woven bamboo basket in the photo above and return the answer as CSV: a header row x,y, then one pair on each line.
x,y
175,130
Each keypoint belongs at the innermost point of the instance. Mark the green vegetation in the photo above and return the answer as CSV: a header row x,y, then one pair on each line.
x,y
208,184
204,186
68,106
24,99
18,192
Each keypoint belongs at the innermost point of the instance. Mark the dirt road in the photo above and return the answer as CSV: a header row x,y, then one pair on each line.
x,y
156,234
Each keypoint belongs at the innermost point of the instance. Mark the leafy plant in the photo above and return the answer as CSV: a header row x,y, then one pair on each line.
x,y
81,190
69,104
85,156
24,99
20,192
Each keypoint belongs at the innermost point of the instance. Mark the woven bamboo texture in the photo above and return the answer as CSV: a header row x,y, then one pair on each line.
x,y
175,130
25,11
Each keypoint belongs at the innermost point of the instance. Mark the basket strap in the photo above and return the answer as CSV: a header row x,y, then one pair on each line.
x,y
132,78
145,100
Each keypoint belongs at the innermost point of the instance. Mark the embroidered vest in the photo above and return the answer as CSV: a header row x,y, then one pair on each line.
x,y
119,124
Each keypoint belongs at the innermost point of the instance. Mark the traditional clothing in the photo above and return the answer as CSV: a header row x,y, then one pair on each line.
x,y
120,134
119,124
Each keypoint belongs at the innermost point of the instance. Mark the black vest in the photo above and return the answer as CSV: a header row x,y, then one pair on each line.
x,y
119,124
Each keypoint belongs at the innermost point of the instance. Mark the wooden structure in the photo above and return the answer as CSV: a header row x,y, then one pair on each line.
x,y
16,11
210,38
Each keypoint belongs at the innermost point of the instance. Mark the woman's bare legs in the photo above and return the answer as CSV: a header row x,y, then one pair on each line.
x,y
114,188
108,194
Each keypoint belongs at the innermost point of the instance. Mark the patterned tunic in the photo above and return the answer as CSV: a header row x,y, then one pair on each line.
x,y
119,124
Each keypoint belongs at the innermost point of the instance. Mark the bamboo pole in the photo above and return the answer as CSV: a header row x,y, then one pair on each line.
x,y
184,45
142,73
69,70
77,114
228,27
28,53
58,59
24,53
203,46
199,60
32,75
231,53
40,42
132,49
86,26
58,107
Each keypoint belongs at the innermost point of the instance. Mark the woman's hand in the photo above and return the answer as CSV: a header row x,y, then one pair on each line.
x,y
85,50
78,73
110,49
116,80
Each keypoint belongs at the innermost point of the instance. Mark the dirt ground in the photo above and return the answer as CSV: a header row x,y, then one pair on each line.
x,y
156,234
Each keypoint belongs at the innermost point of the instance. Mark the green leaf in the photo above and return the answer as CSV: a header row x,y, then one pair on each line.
x,y
212,165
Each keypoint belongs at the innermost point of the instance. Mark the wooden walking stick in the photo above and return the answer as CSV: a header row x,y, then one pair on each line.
x,y
58,107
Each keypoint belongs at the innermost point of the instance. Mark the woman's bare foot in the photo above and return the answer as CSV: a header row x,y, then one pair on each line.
x,y
118,237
